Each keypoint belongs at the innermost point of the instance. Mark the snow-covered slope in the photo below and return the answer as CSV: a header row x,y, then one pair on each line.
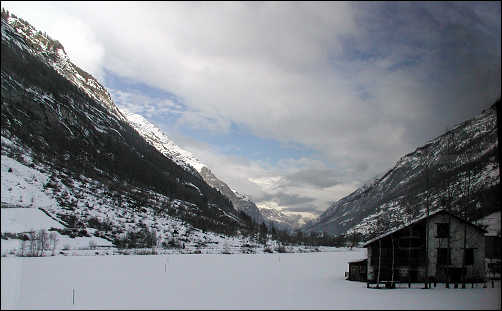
x,y
36,196
462,172
240,202
67,149
16,220
157,138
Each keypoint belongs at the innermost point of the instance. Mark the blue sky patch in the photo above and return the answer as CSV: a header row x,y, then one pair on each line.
x,y
238,141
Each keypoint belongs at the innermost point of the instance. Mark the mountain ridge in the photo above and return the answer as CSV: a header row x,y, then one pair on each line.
x,y
467,149
41,44
66,123
191,164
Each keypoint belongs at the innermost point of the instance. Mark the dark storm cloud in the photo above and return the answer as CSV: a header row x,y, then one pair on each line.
x,y
452,51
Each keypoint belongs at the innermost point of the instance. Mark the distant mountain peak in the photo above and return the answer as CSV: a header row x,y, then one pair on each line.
x,y
157,138
286,220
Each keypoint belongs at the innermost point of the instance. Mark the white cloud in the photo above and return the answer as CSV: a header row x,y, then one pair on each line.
x,y
269,186
360,83
72,30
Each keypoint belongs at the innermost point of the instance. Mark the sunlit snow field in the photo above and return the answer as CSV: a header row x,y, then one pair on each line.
x,y
240,281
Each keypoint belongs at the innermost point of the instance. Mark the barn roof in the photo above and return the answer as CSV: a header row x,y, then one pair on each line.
x,y
419,219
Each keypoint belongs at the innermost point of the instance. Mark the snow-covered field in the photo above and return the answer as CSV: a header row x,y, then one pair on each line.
x,y
26,219
259,281
19,220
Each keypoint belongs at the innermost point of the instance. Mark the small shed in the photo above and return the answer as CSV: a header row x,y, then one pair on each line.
x,y
358,270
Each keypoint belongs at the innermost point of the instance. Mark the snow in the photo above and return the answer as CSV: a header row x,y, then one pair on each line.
x,y
19,220
82,242
92,199
157,138
16,220
23,186
261,281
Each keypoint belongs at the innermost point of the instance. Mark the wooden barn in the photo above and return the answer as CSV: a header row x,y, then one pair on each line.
x,y
493,256
429,249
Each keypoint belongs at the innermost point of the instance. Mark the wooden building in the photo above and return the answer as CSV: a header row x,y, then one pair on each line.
x,y
430,248
358,270
493,256
493,248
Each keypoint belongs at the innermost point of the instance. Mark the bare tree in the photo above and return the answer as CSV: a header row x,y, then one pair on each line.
x,y
43,240
33,247
53,239
92,244
22,247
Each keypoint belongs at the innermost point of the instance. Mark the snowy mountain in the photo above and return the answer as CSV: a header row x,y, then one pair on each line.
x,y
157,138
240,202
458,169
26,37
284,221
71,151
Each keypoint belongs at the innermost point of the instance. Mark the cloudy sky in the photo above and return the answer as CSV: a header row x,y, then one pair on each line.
x,y
295,104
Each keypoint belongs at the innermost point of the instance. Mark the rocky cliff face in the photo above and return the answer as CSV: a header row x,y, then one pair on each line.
x,y
240,202
157,138
282,221
458,169
51,52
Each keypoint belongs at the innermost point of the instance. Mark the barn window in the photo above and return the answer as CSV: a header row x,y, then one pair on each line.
x,y
469,256
443,230
443,256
